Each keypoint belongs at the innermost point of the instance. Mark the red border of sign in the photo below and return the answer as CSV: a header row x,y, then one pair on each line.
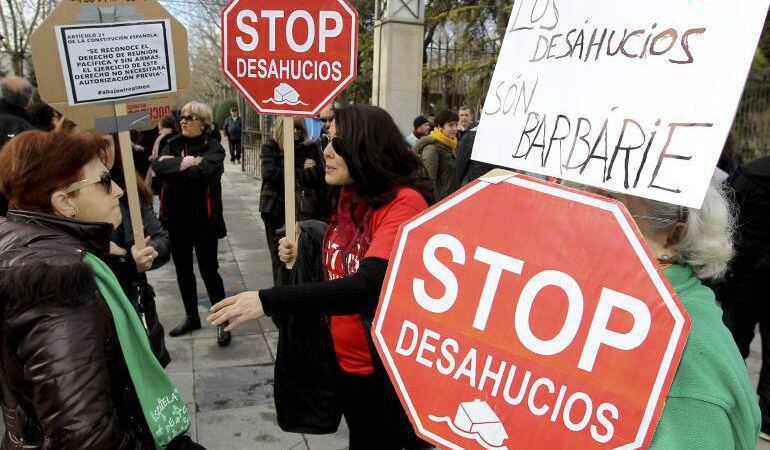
x,y
342,86
674,350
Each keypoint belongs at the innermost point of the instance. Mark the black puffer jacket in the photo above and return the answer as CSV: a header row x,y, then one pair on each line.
x,y
192,198
65,384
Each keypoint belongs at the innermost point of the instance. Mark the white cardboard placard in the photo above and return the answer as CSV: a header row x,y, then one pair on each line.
x,y
116,61
626,95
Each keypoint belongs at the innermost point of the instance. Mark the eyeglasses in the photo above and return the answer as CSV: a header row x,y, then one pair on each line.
x,y
336,144
189,118
105,179
665,221
326,119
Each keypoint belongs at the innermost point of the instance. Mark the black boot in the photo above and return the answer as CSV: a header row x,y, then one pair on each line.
x,y
223,337
188,324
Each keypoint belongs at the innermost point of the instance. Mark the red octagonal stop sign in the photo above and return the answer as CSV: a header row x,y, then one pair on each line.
x,y
520,314
289,57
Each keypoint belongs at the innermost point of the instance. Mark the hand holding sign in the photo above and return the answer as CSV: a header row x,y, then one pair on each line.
x,y
533,320
92,60
289,58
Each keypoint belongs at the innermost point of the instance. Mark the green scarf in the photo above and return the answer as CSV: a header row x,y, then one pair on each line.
x,y
163,408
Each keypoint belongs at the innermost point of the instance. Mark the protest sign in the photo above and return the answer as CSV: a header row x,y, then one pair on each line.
x,y
523,331
108,62
290,59
112,67
89,56
628,96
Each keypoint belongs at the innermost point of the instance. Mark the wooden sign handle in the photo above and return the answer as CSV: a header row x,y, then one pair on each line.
x,y
129,173
288,184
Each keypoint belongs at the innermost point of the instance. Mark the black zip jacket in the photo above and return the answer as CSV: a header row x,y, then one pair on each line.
x,y
191,199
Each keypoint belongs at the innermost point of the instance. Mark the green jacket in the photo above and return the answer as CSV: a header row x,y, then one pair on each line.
x,y
439,161
711,404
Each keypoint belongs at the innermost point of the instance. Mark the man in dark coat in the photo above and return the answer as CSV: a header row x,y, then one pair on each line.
x,y
744,293
468,170
233,128
15,98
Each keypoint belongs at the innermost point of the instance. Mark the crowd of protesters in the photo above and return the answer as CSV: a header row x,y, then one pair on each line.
x,y
76,295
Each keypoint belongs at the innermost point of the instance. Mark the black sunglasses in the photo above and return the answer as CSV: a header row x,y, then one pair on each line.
x,y
336,144
189,118
326,119
105,180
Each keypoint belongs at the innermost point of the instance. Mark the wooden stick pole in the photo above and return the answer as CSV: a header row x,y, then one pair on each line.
x,y
129,173
288,182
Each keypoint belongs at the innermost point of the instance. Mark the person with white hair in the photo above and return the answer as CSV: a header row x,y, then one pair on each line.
x,y
15,98
711,404
190,167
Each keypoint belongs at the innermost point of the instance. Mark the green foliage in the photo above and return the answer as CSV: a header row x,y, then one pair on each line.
x,y
360,91
751,128
222,109
469,34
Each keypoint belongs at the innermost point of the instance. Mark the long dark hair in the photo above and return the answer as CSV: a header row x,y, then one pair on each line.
x,y
377,156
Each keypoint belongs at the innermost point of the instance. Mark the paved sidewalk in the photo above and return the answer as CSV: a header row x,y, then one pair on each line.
x,y
229,391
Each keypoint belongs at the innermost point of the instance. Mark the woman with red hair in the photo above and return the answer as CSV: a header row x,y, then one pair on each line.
x,y
76,368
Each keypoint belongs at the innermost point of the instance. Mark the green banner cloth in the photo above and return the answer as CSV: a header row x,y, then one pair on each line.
x,y
163,407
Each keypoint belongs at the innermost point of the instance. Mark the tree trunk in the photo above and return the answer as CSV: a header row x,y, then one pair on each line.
x,y
17,62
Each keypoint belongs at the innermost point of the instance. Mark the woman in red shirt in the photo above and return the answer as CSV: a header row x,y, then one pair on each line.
x,y
377,185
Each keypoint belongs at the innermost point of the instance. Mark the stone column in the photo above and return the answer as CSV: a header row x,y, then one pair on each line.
x,y
398,46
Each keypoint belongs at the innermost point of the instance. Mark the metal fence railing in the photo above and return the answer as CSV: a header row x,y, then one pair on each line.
x,y
257,129
453,77
751,128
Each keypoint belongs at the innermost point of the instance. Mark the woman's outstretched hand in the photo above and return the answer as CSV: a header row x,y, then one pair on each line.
x,y
237,310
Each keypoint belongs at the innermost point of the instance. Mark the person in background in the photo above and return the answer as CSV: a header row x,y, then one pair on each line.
x,y
271,195
312,193
15,98
437,151
131,265
431,116
467,169
466,122
142,147
711,404
190,167
420,129
233,128
168,127
326,117
743,294
43,117
76,367
377,185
